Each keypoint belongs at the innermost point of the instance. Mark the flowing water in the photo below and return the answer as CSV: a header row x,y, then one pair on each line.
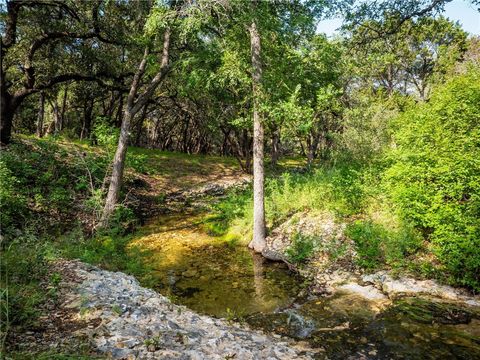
x,y
224,279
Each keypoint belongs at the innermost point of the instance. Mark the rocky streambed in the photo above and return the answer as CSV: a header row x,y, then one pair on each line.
x,y
214,299
340,312
117,318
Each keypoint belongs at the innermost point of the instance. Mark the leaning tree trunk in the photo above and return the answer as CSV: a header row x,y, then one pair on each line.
x,y
258,242
118,164
134,104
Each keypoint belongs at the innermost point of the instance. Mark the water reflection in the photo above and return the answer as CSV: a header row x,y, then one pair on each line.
x,y
211,276
215,278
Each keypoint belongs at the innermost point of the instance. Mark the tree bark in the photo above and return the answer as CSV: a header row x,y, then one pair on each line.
x,y
275,147
87,119
131,108
53,127
41,115
140,121
64,108
6,119
258,242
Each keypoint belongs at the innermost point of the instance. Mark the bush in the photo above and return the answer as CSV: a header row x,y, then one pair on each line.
x,y
377,245
301,248
44,186
12,204
105,134
368,238
435,175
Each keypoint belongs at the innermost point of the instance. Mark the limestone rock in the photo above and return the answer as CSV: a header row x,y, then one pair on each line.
x,y
149,326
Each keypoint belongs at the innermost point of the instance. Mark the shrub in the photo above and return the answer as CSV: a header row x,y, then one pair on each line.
x,y
376,245
368,238
301,248
105,134
12,204
435,175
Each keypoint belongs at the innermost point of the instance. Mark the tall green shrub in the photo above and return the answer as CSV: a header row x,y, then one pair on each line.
x,y
435,174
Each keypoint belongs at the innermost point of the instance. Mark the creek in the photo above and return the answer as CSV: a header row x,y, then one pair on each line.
x,y
224,279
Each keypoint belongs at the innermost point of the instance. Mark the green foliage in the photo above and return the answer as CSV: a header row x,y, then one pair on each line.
x,y
301,248
420,53
48,189
122,221
435,174
23,267
12,204
105,134
366,126
376,245
368,238
42,183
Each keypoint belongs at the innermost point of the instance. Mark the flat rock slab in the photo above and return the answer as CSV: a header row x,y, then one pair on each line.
x,y
138,323
368,292
411,287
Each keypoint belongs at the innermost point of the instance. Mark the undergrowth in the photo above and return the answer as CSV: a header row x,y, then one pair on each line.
x,y
50,199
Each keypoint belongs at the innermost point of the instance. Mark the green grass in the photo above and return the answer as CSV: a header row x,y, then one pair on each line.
x,y
340,189
353,194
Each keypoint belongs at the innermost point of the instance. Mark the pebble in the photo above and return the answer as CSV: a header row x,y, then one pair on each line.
x,y
155,328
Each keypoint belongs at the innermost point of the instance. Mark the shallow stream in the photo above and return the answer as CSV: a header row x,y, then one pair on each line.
x,y
222,279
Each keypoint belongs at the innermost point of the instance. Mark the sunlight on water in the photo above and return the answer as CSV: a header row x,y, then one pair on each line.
x,y
210,275
217,278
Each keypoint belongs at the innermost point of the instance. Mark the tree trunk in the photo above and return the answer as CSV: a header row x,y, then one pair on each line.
x,y
87,119
118,165
6,108
258,242
138,135
41,114
6,119
275,147
64,107
134,104
56,116
185,133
